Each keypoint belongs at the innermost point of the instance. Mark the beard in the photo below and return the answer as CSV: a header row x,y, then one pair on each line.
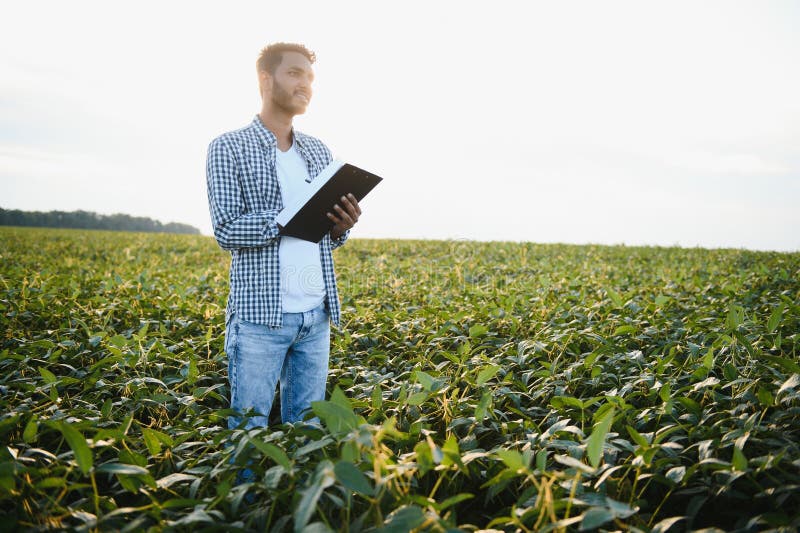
x,y
285,101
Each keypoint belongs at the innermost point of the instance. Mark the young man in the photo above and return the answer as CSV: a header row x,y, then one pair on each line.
x,y
282,290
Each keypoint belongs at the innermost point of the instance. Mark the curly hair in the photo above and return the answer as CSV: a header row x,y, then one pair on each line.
x,y
272,55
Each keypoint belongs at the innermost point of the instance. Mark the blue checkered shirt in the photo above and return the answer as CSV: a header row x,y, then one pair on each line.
x,y
244,198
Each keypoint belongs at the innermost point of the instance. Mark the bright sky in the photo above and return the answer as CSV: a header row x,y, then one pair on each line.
x,y
656,123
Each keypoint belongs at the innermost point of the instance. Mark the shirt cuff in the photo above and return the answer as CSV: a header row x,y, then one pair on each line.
x,y
335,243
271,230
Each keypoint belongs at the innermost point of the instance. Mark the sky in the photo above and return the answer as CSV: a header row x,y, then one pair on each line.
x,y
616,122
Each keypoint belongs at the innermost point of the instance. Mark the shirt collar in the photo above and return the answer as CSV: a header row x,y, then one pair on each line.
x,y
269,138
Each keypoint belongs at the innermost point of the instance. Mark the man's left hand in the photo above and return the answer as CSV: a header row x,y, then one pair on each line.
x,y
346,216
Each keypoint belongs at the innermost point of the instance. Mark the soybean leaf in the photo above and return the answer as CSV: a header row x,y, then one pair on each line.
x,y
787,364
458,498
512,459
708,360
625,330
594,445
273,452
765,397
352,478
595,517
675,474
377,397
424,457
317,527
171,479
336,417
404,520
483,406
47,376
478,330
418,398
735,317
637,437
451,453
665,393
616,299
51,482
560,401
775,318
121,468
424,379
339,398
739,461
151,441
31,429
541,461
486,374
323,478
78,444
105,410
620,509
664,525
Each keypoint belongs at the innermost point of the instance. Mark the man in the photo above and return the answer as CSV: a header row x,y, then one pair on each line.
x,y
283,291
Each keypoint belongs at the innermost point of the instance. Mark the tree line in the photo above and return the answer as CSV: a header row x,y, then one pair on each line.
x,y
90,220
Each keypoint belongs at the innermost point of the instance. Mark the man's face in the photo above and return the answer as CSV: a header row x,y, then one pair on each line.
x,y
289,88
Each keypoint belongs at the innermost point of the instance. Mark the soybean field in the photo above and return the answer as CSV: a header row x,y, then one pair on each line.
x,y
473,386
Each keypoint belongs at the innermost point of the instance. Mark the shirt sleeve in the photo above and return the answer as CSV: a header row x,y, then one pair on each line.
x,y
234,227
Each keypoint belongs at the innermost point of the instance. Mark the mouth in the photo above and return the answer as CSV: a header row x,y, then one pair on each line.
x,y
303,96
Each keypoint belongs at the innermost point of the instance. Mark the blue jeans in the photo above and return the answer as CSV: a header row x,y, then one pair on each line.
x,y
260,356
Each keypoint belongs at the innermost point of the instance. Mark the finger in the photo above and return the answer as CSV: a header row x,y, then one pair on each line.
x,y
354,201
352,207
351,211
345,217
348,205
336,221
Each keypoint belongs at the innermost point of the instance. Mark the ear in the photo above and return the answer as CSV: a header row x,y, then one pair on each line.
x,y
264,81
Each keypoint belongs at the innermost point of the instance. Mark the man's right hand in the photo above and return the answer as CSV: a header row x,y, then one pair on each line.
x,y
347,215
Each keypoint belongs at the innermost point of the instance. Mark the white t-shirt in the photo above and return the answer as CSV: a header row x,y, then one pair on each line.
x,y
302,284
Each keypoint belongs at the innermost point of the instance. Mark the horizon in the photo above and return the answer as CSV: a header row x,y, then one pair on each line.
x,y
451,241
650,125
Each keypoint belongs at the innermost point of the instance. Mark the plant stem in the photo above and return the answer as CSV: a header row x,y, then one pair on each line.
x,y
572,493
660,505
96,498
